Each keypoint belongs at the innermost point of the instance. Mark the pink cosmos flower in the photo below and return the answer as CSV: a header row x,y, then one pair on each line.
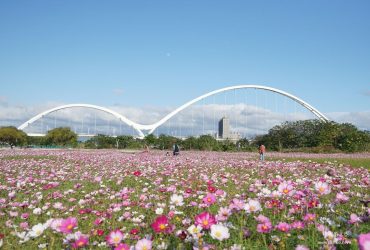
x,y
283,227
24,225
264,227
341,198
161,225
67,225
209,199
81,241
205,220
25,216
55,224
297,225
13,213
114,237
301,247
219,192
223,214
122,246
262,219
237,204
363,241
286,188
354,219
309,217
143,244
322,188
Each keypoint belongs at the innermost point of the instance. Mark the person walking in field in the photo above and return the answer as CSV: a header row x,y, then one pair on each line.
x,y
262,150
175,149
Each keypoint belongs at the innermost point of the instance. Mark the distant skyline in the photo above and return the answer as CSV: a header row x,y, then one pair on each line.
x,y
161,54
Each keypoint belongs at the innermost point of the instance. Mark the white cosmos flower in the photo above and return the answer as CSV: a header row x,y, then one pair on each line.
x,y
177,200
252,206
24,236
219,232
159,211
37,230
37,210
194,230
322,187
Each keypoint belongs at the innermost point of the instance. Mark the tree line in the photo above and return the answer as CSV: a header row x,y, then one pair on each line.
x,y
307,135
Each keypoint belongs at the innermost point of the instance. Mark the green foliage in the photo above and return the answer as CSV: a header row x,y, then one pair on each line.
x,y
62,136
150,140
101,141
36,141
350,139
127,142
315,134
12,136
165,142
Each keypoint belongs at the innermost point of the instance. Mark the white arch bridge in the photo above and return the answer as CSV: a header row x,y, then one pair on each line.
x,y
143,129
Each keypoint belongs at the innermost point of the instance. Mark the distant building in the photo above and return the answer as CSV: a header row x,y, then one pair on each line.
x,y
223,127
224,132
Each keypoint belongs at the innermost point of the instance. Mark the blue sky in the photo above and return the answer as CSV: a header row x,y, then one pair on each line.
x,y
164,53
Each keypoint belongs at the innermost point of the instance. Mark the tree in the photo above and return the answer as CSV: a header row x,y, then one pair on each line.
x,y
165,142
129,142
208,142
62,136
101,141
350,139
150,140
12,136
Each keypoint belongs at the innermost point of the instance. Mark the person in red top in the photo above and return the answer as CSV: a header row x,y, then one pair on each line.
x,y
262,151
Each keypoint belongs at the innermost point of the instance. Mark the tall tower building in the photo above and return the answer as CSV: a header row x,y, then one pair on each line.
x,y
224,128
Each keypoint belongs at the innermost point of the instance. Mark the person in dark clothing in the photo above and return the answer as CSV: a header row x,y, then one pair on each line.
x,y
175,149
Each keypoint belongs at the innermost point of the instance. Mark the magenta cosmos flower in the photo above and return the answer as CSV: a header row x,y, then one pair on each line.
x,y
205,220
122,246
162,225
297,225
114,237
264,227
67,225
283,227
209,199
81,241
309,217
364,241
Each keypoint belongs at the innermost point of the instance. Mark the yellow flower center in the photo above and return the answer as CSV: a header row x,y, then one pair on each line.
x,y
205,222
116,239
162,226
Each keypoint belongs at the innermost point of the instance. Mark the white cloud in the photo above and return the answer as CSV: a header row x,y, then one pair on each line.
x,y
198,119
361,119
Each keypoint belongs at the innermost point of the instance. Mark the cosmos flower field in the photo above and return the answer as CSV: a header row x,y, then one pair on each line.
x,y
70,199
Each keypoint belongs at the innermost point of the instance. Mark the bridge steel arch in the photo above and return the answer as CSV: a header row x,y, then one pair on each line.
x,y
317,113
115,114
151,127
